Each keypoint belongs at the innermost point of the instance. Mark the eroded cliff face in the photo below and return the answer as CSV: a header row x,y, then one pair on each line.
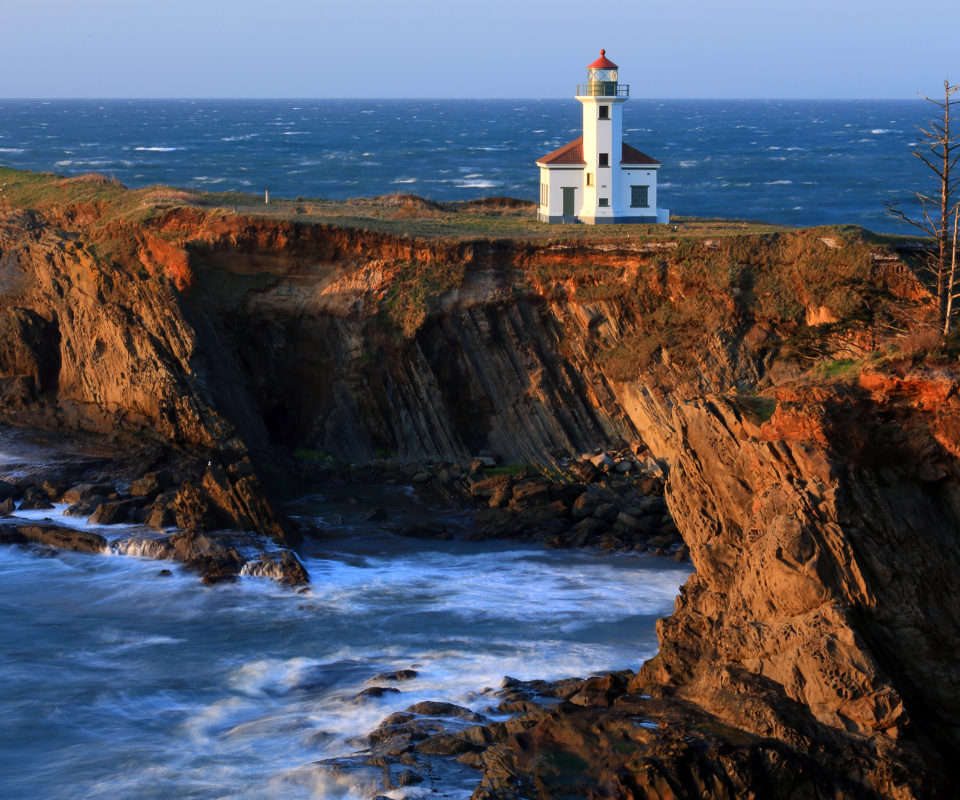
x,y
821,513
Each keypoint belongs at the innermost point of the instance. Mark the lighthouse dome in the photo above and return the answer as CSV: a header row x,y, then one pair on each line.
x,y
602,78
603,62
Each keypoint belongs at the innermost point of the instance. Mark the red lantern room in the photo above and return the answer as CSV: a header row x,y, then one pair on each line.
x,y
602,80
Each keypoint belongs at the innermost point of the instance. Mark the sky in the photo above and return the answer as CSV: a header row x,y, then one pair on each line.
x,y
474,49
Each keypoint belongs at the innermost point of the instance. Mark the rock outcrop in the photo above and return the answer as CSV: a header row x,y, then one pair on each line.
x,y
811,456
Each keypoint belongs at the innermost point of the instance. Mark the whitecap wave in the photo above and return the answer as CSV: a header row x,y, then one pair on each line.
x,y
160,149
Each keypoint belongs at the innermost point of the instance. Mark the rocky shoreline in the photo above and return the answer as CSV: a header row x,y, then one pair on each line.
x,y
782,395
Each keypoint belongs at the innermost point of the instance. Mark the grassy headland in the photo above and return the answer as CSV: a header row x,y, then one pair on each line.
x,y
401,215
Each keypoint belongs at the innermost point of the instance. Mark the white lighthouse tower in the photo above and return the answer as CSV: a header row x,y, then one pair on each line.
x,y
599,178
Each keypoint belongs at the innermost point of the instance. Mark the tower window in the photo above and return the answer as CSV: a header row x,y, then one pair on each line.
x,y
604,202
544,194
589,179
604,112
604,160
639,197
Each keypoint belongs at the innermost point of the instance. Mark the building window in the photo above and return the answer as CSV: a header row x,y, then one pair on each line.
x,y
589,179
604,160
604,112
544,194
604,202
638,197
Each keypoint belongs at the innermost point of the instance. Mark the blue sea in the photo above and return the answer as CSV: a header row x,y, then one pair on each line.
x,y
796,162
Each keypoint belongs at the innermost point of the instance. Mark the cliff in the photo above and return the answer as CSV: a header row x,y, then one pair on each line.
x,y
787,383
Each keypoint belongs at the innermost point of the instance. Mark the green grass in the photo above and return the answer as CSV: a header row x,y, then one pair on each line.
x,y
401,215
840,368
315,456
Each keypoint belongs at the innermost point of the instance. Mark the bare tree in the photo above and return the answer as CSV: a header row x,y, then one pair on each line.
x,y
939,150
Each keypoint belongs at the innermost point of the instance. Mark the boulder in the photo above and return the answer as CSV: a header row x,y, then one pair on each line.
x,y
151,484
600,691
586,505
161,517
476,467
422,477
83,491
7,507
567,492
527,494
83,508
375,691
602,462
36,503
491,486
54,488
10,491
109,514
63,538
419,530
585,472
397,675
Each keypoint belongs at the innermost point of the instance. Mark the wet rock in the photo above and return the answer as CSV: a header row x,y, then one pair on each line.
x,y
35,499
376,691
283,567
7,507
450,744
9,491
81,509
63,538
397,675
375,514
434,530
109,514
431,708
54,489
164,573
161,517
408,778
85,491
422,477
497,523
489,454
600,691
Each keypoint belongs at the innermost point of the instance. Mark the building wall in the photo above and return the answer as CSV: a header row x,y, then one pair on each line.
x,y
638,176
556,178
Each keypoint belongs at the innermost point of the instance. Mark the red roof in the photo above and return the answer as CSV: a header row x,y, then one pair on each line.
x,y
633,156
603,62
571,153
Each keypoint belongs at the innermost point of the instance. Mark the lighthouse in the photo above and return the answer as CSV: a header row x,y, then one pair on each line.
x,y
599,178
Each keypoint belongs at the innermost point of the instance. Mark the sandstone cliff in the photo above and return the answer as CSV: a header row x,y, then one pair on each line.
x,y
811,453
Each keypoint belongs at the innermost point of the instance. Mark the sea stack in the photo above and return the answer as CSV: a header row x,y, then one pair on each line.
x,y
598,178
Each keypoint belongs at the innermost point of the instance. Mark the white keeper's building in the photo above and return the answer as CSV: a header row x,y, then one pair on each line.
x,y
599,178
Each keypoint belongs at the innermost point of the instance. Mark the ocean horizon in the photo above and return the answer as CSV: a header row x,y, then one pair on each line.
x,y
795,162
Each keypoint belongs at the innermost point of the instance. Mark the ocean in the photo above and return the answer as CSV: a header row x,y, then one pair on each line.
x,y
797,162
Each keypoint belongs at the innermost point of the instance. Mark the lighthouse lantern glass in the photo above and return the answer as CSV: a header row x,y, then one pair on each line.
x,y
602,75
